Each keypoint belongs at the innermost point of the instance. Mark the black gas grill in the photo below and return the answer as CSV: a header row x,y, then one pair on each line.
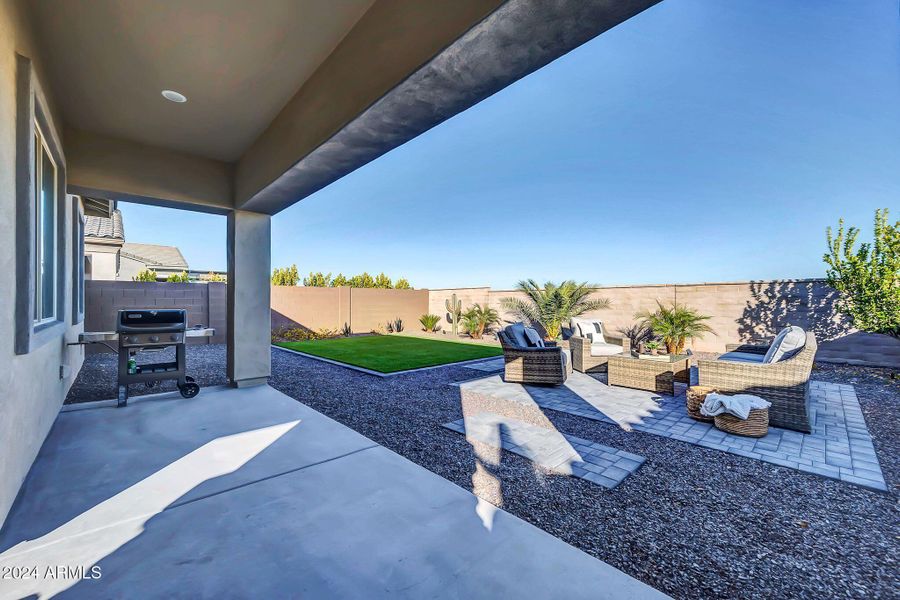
x,y
146,329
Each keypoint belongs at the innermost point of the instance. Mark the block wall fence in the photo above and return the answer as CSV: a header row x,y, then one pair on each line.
x,y
740,311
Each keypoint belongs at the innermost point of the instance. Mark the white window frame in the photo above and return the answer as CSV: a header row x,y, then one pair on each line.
x,y
42,147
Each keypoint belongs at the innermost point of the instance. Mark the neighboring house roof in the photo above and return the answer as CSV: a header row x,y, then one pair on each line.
x,y
155,256
102,227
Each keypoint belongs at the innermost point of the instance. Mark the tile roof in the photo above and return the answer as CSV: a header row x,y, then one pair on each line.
x,y
155,256
101,227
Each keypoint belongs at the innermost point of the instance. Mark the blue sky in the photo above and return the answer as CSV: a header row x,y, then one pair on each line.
x,y
700,141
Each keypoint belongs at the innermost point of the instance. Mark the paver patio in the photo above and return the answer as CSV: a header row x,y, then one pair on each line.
x,y
839,446
563,454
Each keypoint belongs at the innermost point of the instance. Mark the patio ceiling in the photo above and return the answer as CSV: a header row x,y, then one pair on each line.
x,y
284,96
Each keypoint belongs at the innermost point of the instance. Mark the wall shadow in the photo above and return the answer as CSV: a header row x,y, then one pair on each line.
x,y
775,305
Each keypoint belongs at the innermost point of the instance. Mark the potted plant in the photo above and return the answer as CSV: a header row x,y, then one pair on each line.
x,y
675,324
652,346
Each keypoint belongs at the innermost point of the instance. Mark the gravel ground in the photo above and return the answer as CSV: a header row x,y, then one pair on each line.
x,y
692,522
97,379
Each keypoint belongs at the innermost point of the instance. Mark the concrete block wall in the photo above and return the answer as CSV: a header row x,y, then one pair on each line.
x,y
330,308
740,311
103,300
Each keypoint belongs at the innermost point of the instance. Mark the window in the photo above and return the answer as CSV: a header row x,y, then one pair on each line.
x,y
42,219
45,230
80,266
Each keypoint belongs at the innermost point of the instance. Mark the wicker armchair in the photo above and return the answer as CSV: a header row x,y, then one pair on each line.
x,y
546,366
582,360
784,383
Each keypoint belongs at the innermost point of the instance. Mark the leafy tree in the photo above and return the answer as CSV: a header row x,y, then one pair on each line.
x,y
178,277
553,305
213,277
402,284
867,279
286,276
383,282
340,281
317,280
674,324
145,275
362,281
478,318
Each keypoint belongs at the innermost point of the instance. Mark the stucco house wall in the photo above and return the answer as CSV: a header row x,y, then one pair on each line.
x,y
32,385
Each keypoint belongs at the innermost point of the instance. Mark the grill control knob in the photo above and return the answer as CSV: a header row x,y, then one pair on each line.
x,y
174,337
131,339
154,338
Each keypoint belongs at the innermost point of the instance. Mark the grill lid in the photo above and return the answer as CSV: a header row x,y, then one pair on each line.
x,y
164,319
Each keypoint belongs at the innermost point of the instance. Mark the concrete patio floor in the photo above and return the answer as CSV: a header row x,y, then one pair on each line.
x,y
249,493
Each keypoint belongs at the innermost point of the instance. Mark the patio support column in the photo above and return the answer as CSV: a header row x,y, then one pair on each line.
x,y
249,317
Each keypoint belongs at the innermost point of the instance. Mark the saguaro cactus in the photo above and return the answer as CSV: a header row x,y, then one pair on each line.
x,y
454,307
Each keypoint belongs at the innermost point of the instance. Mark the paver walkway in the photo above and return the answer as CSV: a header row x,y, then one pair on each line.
x,y
839,447
563,454
488,366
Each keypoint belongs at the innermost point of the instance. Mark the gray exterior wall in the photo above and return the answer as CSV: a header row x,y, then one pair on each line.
x,y
33,384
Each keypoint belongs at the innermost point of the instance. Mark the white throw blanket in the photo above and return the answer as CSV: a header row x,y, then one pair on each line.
x,y
738,405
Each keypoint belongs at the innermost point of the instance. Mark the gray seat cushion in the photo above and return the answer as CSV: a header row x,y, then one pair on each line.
x,y
516,333
788,342
742,357
533,338
604,349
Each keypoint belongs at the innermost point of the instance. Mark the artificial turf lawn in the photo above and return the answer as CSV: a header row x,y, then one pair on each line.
x,y
391,353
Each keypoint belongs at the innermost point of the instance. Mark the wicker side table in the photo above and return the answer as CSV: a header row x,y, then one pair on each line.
x,y
657,374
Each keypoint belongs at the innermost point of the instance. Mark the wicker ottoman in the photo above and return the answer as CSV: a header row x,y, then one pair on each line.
x,y
695,397
756,425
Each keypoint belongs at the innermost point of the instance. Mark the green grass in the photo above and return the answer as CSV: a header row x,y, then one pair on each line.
x,y
391,353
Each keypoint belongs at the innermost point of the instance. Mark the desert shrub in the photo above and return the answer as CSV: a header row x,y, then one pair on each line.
x,y
867,279
429,322
478,318
402,284
346,331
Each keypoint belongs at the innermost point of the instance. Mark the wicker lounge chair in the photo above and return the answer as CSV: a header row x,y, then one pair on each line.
x,y
784,383
533,365
585,360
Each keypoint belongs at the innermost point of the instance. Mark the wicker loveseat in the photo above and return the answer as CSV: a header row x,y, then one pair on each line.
x,y
530,364
586,359
784,383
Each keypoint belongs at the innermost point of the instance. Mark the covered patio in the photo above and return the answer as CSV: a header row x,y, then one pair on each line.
x,y
247,492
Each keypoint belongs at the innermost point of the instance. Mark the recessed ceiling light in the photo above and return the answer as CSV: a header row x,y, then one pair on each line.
x,y
174,96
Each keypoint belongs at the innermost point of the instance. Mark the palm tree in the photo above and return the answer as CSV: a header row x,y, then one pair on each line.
x,y
477,318
552,305
674,324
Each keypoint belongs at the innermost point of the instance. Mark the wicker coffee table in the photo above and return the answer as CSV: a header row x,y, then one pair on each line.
x,y
657,374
